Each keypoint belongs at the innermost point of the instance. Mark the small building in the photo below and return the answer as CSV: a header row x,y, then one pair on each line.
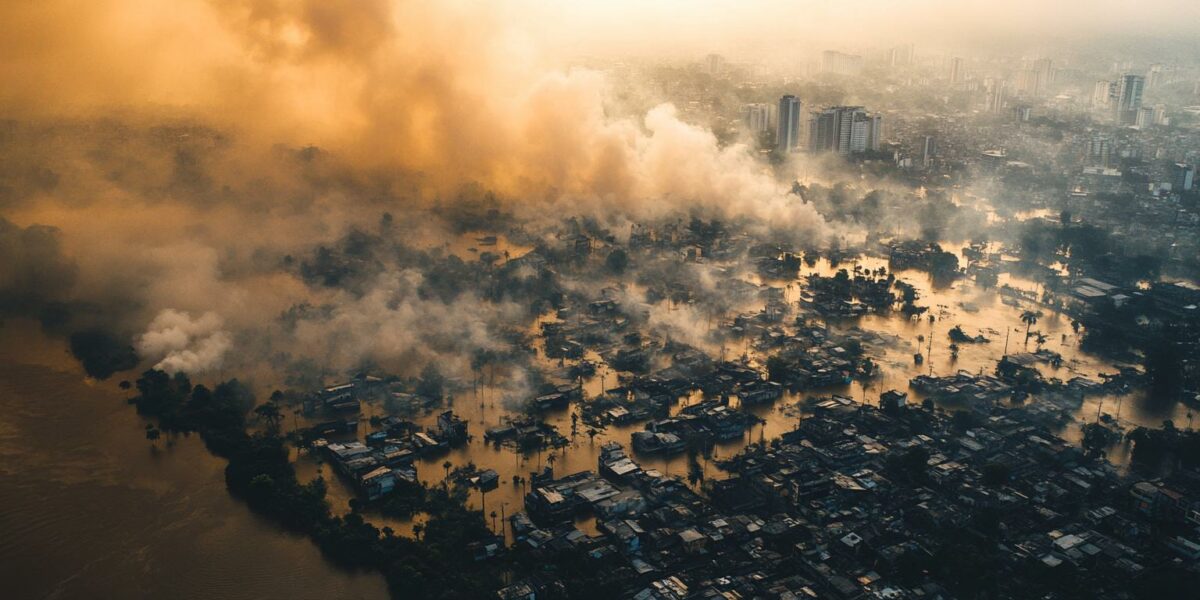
x,y
893,400
692,541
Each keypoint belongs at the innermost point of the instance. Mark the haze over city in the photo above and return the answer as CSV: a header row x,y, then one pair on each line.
x,y
653,300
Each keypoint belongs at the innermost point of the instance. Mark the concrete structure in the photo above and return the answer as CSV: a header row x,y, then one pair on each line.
x,y
788,130
757,117
1127,101
845,130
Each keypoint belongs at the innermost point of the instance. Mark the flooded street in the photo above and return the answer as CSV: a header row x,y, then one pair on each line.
x,y
986,312
161,519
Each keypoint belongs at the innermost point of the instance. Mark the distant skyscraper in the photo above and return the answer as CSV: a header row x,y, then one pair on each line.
x,y
715,63
957,72
1101,93
1099,151
841,63
1128,101
1044,70
787,136
757,117
928,150
1027,82
845,130
874,133
1160,115
1183,177
995,97
1154,76
900,55
1145,117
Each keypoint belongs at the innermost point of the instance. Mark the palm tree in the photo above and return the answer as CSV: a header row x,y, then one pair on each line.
x,y
1029,318
493,516
417,529
446,465
270,413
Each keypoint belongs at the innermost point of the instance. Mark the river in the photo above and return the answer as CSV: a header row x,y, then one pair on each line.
x,y
89,510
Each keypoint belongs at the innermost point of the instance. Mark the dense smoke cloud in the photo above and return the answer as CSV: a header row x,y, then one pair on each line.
x,y
393,320
179,342
186,151
448,93
35,272
169,159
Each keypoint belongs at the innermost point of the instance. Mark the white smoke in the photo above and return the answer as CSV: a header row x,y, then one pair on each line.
x,y
180,343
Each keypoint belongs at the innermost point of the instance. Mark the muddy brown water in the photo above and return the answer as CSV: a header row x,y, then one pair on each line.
x,y
89,510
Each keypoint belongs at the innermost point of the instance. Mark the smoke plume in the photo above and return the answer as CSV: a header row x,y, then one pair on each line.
x,y
179,342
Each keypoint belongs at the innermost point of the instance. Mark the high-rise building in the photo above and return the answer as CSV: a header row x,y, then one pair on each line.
x,y
1145,117
900,55
1044,68
716,63
1183,177
757,117
1160,115
995,96
1154,76
1099,151
928,150
1128,99
957,71
841,63
1101,93
1036,78
1027,82
787,133
845,130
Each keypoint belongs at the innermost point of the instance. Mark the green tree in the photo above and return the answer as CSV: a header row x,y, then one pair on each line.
x,y
431,384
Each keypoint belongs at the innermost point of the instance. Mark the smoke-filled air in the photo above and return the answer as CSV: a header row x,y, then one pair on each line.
x,y
642,299
179,157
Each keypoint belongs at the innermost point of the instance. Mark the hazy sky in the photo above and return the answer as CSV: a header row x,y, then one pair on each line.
x,y
186,51
737,27
161,226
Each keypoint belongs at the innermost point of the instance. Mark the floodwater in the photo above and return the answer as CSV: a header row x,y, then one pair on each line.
x,y
88,509
979,312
